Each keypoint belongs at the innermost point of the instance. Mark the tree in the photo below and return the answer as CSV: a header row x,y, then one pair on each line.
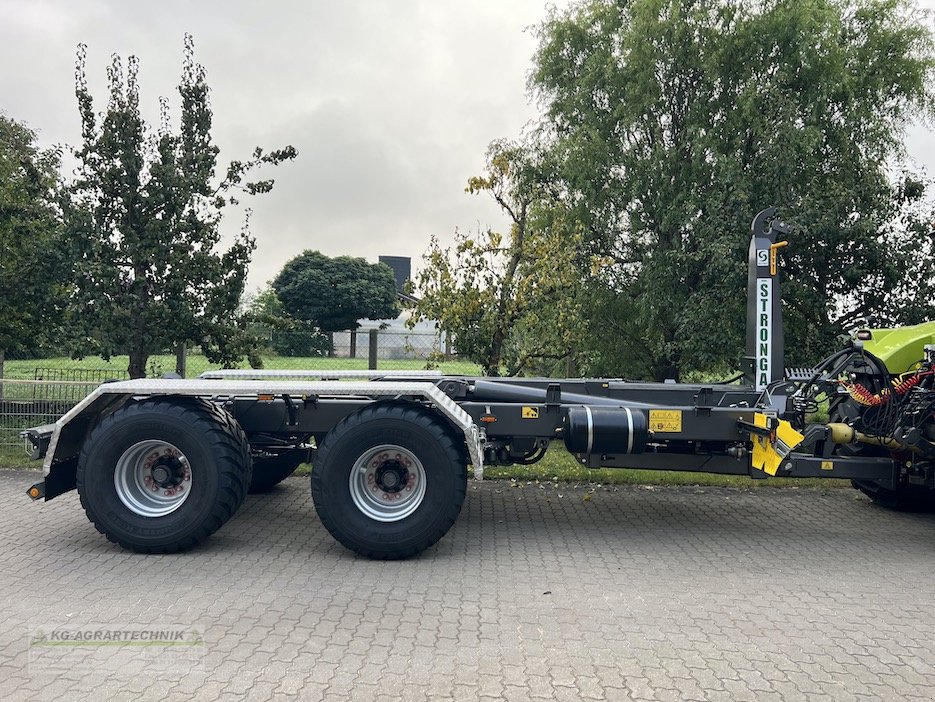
x,y
511,302
334,293
276,330
33,278
674,121
144,217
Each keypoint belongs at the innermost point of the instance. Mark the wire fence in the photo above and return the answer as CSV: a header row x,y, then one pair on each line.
x,y
39,388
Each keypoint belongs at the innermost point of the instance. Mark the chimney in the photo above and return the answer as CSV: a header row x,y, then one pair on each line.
x,y
402,269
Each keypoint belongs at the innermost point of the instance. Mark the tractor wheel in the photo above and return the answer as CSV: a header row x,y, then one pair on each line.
x,y
389,481
269,471
161,476
905,498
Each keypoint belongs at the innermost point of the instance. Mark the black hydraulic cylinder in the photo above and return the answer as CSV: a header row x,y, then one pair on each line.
x,y
492,391
605,430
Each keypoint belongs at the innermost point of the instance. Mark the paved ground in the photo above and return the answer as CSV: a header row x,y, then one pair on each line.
x,y
536,593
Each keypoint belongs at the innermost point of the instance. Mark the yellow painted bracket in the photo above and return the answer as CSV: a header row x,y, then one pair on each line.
x,y
773,248
769,451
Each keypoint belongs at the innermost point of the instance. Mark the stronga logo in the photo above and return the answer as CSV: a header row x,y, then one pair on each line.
x,y
764,311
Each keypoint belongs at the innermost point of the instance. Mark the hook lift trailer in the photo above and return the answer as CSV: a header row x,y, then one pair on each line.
x,y
160,465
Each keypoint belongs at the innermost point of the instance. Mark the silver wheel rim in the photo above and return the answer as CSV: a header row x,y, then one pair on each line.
x,y
153,478
387,483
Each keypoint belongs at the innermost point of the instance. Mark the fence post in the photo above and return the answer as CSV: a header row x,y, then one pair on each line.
x,y
181,358
2,359
353,351
374,342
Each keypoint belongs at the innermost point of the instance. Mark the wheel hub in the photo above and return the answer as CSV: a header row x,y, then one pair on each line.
x,y
387,483
392,476
152,478
167,472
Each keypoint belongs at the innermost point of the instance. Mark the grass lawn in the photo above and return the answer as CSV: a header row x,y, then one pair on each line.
x,y
16,457
197,364
32,404
61,368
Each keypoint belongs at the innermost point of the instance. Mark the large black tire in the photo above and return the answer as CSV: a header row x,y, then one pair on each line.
x,y
269,471
905,498
389,481
161,476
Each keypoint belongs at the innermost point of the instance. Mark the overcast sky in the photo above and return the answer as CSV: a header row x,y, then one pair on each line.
x,y
391,105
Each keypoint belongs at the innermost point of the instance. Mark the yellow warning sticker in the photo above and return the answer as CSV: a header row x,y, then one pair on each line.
x,y
530,413
667,421
827,465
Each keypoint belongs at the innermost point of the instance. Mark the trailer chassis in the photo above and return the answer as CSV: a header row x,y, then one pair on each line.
x,y
160,464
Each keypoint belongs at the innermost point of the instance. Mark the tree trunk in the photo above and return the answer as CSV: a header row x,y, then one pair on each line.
x,y
181,359
372,350
492,366
2,359
667,368
137,367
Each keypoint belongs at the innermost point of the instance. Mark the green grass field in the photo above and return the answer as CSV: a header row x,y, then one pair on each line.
x,y
31,404
64,368
198,364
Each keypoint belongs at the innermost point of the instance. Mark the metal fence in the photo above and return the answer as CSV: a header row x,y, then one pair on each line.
x,y
29,403
35,391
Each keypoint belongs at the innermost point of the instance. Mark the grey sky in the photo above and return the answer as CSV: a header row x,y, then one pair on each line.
x,y
390,104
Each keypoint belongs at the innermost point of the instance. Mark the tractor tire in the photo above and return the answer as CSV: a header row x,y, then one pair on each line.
x,y
905,498
269,471
389,480
161,476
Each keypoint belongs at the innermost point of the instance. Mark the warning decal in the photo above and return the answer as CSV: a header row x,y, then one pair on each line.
x,y
530,413
667,421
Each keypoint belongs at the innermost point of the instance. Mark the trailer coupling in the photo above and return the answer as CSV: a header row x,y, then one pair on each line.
x,y
39,437
775,444
773,440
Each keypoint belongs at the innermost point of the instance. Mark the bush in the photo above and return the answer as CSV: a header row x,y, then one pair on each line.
x,y
301,341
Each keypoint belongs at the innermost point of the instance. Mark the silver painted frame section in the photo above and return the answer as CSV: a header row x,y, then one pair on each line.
x,y
233,388
587,410
629,430
244,374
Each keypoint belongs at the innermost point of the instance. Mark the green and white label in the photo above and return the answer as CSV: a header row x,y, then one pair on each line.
x,y
764,331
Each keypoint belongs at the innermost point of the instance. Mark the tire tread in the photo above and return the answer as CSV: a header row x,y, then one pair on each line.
x,y
228,444
409,413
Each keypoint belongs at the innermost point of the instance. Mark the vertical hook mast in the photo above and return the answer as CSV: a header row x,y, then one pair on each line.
x,y
764,362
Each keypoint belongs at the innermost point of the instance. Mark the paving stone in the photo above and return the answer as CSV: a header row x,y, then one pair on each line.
x,y
670,593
